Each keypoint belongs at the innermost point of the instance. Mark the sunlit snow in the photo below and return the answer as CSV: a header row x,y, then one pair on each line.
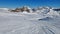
x,y
29,23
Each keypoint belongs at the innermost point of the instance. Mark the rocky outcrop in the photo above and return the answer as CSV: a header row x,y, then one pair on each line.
x,y
24,8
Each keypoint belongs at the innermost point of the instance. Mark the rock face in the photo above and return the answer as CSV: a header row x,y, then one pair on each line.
x,y
24,8
17,10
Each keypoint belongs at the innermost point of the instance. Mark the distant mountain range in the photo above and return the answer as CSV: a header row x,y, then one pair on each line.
x,y
44,10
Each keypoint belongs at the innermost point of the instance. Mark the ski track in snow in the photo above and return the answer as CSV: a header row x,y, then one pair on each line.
x,y
20,23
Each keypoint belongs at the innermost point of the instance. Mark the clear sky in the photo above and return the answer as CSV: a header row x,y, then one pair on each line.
x,y
31,3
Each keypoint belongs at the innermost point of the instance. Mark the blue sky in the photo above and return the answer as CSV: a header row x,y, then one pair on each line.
x,y
31,3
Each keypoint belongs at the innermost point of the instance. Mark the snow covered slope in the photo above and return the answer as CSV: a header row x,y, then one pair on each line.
x,y
29,23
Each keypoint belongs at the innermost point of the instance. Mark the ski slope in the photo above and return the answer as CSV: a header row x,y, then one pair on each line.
x,y
29,23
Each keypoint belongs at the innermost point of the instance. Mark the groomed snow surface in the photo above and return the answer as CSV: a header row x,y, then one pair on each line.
x,y
29,23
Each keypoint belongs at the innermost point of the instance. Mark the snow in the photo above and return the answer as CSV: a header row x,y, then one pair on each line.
x,y
29,23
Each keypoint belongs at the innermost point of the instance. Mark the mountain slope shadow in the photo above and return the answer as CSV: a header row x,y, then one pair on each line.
x,y
46,19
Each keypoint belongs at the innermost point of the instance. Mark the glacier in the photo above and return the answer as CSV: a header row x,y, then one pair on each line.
x,y
29,23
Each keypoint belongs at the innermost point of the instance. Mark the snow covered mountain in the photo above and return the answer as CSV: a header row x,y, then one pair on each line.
x,y
42,21
4,9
